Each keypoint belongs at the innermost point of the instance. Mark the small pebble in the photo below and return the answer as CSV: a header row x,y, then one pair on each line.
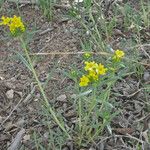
x,y
10,94
146,76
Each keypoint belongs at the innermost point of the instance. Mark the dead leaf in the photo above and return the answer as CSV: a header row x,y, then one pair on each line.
x,y
124,130
10,126
70,113
144,134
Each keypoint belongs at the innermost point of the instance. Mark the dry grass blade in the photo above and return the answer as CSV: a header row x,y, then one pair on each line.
x,y
16,143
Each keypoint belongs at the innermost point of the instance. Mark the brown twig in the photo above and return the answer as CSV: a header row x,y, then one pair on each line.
x,y
126,136
69,53
81,53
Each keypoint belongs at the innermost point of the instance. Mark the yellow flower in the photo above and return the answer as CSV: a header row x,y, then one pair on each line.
x,y
90,65
94,71
101,70
5,20
84,80
93,75
15,24
118,55
87,55
12,28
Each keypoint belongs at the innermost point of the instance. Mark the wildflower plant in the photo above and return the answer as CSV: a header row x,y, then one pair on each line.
x,y
95,109
14,24
119,54
17,28
99,28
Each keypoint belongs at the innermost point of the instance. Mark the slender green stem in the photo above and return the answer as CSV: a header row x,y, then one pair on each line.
x,y
80,114
80,121
97,31
106,98
101,128
41,88
36,141
93,37
92,106
79,111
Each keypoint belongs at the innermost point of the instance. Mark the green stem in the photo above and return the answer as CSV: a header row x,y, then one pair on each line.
x,y
80,114
93,37
97,31
80,121
101,128
92,106
41,88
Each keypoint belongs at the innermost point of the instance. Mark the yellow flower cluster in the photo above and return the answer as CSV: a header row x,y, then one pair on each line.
x,y
119,54
84,81
15,24
94,71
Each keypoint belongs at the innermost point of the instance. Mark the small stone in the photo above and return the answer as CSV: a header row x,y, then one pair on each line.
x,y
91,148
21,123
1,118
46,135
23,77
19,93
146,76
26,137
62,98
10,94
65,148
2,78
35,100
